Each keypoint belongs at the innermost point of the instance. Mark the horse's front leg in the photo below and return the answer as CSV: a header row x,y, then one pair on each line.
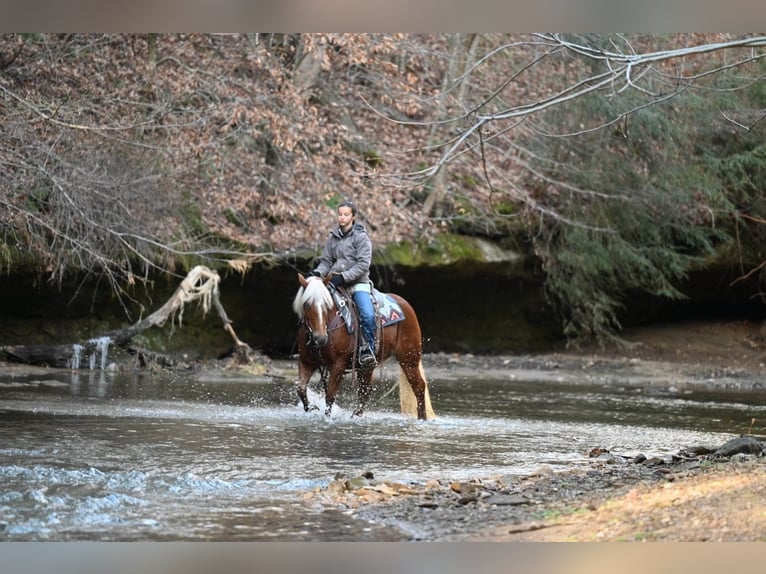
x,y
304,375
364,376
333,384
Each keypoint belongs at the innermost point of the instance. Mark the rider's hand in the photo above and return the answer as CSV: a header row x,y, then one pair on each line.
x,y
337,280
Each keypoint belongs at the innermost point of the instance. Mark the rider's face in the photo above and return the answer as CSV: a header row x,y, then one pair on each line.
x,y
345,216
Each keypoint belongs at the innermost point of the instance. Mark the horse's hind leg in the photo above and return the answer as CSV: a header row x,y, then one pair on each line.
x,y
364,376
414,374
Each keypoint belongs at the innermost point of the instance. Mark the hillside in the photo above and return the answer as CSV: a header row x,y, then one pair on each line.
x,y
614,163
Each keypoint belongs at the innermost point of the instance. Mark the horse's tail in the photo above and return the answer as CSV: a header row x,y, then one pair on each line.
x,y
407,399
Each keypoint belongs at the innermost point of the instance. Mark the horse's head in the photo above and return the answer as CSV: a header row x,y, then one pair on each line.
x,y
313,304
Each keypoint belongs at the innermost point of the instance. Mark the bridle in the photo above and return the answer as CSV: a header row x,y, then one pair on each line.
x,y
310,338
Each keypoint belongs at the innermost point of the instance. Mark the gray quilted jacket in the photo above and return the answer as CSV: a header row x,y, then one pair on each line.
x,y
349,254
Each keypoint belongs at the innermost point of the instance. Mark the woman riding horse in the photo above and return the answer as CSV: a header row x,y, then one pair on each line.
x,y
346,258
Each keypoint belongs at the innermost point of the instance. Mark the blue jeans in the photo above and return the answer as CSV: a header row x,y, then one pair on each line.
x,y
363,301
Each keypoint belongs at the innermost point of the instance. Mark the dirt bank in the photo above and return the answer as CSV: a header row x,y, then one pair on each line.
x,y
700,353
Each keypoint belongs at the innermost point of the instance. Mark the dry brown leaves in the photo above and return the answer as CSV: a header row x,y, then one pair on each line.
x,y
723,503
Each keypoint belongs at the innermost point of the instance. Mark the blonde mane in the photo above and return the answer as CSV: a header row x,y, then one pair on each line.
x,y
315,293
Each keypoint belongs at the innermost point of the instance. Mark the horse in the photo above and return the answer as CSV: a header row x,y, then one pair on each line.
x,y
324,341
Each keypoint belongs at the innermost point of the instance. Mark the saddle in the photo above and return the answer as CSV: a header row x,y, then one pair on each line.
x,y
387,310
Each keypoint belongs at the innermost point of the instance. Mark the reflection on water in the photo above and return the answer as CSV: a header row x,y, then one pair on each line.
x,y
123,456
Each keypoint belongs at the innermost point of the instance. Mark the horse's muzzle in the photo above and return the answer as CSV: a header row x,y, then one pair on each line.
x,y
319,340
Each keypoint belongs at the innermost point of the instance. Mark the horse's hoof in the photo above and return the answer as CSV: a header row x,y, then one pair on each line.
x,y
311,408
357,413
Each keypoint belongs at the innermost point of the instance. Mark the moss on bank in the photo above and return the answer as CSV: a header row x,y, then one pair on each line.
x,y
444,249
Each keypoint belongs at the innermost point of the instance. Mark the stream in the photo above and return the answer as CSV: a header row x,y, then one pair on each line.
x,y
124,456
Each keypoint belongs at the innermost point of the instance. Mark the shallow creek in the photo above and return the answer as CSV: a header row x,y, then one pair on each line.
x,y
96,455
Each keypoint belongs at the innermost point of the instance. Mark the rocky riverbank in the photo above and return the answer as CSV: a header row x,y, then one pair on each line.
x,y
699,494
612,500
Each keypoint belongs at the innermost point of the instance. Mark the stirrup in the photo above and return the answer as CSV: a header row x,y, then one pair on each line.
x,y
367,357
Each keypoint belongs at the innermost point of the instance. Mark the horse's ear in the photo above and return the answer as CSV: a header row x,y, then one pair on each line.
x,y
302,280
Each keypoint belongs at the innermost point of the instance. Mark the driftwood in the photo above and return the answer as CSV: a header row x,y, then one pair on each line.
x,y
201,284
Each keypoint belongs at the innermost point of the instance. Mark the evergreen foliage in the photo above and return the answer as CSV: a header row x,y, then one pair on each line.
x,y
636,205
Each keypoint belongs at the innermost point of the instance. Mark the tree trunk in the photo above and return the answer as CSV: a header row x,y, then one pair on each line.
x,y
462,53
308,65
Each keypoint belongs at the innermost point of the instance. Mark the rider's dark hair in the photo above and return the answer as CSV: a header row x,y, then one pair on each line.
x,y
347,203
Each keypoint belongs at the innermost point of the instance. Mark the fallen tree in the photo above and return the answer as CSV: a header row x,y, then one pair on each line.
x,y
201,284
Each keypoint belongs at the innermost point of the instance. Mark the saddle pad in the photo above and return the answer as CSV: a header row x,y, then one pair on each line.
x,y
389,310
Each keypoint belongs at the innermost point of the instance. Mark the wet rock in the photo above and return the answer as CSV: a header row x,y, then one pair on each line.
x,y
689,465
742,458
432,485
507,500
465,488
544,470
356,483
693,451
743,444
336,487
609,458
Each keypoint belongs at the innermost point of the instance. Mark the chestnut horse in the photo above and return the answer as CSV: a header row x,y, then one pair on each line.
x,y
323,340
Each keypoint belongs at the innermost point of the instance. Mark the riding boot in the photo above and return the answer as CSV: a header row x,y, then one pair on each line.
x,y
367,356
